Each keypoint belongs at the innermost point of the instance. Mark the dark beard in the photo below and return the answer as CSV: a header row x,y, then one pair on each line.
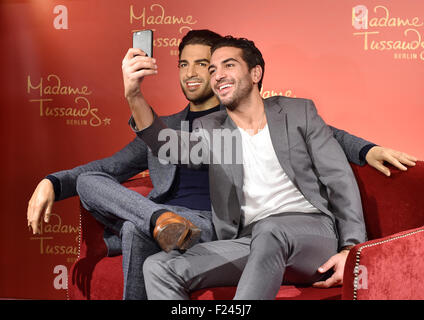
x,y
232,105
199,100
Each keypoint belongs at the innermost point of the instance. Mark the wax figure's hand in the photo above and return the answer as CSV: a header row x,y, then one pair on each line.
x,y
377,155
135,66
337,262
40,205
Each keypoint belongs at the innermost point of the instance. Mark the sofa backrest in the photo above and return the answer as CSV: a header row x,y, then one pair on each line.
x,y
391,204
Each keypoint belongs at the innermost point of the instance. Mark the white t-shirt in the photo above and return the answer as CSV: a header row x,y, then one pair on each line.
x,y
267,188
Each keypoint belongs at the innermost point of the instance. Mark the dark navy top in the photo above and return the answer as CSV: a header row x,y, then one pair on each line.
x,y
190,188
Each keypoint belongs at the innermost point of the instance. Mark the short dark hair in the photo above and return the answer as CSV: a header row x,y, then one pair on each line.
x,y
251,54
204,36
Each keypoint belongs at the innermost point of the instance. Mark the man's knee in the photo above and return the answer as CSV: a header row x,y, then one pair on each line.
x,y
129,232
162,279
87,187
89,183
128,228
84,183
154,269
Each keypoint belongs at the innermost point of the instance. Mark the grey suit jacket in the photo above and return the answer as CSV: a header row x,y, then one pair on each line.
x,y
307,151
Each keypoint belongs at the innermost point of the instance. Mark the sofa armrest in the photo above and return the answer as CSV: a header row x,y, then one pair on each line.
x,y
386,268
391,204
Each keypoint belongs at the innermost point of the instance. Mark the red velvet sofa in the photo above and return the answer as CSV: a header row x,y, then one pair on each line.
x,y
388,266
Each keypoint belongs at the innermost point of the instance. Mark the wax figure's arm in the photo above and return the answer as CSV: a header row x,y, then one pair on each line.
x,y
360,151
343,193
124,164
135,66
355,148
131,159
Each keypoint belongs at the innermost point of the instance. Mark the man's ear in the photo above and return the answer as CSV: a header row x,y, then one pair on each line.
x,y
256,73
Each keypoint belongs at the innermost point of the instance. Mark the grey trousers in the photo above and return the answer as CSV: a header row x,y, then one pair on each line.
x,y
283,248
126,215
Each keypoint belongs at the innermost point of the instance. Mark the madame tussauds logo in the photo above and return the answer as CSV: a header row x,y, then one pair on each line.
x,y
383,31
54,228
55,99
157,15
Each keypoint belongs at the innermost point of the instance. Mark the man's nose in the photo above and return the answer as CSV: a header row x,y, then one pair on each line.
x,y
191,71
219,75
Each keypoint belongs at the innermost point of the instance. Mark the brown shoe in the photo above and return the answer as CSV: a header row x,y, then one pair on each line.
x,y
175,232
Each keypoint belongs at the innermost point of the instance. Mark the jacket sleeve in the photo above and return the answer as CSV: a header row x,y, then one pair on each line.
x,y
122,165
336,175
351,145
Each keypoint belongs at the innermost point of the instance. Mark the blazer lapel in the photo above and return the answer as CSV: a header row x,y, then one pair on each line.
x,y
174,121
277,124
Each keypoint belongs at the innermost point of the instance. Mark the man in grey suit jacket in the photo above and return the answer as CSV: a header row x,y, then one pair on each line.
x,y
127,215
289,210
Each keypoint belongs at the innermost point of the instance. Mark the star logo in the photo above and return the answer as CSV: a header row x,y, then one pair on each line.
x,y
106,121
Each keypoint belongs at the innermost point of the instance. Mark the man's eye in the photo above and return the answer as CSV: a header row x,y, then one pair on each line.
x,y
211,71
182,65
229,65
203,64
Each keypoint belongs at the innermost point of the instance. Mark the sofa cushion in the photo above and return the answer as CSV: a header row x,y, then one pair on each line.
x,y
287,292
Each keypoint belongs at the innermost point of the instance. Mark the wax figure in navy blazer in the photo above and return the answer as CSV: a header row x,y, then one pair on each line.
x,y
129,217
288,206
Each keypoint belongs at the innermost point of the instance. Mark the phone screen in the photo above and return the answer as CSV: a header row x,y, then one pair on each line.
x,y
144,40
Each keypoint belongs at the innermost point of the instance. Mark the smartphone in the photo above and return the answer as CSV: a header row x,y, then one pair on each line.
x,y
144,40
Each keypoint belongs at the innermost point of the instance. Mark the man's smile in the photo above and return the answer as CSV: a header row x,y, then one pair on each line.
x,y
192,85
224,87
